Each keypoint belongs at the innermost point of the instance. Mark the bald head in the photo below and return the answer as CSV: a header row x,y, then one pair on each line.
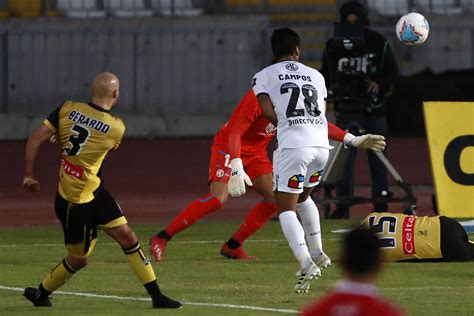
x,y
105,87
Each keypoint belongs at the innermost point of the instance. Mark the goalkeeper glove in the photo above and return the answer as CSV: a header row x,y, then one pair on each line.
x,y
367,141
238,178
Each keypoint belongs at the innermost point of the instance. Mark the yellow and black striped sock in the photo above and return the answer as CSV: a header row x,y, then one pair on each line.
x,y
58,276
140,264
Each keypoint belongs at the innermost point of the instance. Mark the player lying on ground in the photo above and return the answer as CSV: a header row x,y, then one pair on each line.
x,y
87,132
405,237
243,141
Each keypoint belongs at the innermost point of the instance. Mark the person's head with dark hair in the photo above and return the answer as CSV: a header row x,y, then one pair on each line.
x,y
285,44
361,255
353,12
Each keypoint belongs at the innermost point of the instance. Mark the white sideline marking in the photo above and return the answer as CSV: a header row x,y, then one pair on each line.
x,y
429,288
173,242
130,298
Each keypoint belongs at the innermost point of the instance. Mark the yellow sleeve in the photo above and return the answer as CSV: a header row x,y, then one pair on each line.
x,y
52,121
50,126
121,126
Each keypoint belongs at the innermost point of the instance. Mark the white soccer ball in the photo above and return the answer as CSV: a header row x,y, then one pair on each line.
x,y
412,29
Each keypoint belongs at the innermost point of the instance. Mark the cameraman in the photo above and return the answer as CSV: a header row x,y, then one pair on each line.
x,y
371,68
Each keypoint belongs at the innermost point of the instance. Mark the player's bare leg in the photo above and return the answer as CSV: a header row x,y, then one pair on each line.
x,y
256,218
309,216
217,196
141,265
295,235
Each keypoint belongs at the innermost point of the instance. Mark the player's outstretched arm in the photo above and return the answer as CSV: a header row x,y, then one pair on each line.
x,y
335,133
242,118
367,141
33,144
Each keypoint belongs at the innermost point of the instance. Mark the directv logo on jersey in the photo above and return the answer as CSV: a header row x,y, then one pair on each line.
x,y
291,67
301,121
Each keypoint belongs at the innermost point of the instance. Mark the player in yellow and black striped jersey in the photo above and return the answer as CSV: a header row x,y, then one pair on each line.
x,y
405,237
87,132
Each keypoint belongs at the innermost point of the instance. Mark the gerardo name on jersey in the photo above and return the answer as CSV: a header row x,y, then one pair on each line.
x,y
82,119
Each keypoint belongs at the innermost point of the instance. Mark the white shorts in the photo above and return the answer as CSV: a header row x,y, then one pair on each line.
x,y
295,168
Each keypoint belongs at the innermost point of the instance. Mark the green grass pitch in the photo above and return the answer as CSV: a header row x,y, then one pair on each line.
x,y
195,273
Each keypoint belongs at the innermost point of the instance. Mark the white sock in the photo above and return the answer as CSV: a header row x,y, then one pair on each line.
x,y
294,234
309,215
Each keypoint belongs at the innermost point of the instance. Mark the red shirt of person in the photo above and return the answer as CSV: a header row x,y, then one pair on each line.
x,y
356,295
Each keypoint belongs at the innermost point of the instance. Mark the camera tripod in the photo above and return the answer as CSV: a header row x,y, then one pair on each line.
x,y
333,174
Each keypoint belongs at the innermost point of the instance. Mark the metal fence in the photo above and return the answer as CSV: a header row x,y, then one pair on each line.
x,y
104,8
439,7
192,70
195,66
127,8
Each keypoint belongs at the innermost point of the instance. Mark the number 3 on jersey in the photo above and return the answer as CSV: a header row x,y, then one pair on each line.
x,y
310,99
77,140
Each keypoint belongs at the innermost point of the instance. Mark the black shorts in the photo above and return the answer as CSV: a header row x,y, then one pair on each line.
x,y
455,245
80,221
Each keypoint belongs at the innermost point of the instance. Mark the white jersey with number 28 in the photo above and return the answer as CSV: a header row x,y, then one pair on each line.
x,y
297,93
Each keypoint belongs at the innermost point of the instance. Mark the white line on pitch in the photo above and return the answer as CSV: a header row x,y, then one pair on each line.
x,y
130,298
173,242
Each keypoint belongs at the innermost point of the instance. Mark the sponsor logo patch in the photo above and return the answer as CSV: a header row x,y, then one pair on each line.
x,y
71,169
408,236
296,181
315,177
291,67
270,128
220,173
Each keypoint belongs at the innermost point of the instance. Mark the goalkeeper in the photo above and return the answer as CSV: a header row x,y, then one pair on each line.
x,y
433,238
239,159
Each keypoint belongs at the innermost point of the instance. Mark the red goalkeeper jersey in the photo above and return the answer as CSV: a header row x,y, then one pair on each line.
x,y
248,131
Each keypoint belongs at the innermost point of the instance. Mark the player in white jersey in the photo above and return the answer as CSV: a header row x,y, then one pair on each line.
x,y
292,95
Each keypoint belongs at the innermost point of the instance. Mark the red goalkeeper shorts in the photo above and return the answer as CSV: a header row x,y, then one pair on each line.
x,y
255,165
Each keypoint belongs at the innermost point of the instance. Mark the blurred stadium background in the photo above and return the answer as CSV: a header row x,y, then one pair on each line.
x,y
184,65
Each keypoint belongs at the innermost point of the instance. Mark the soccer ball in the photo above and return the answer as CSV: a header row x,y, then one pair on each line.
x,y
412,29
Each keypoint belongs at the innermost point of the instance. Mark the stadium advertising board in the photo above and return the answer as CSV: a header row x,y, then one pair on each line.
x,y
450,131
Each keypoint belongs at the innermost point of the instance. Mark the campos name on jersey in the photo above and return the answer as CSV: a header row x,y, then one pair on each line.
x,y
294,77
82,119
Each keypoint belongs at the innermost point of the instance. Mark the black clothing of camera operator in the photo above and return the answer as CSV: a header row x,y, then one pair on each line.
x,y
369,70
